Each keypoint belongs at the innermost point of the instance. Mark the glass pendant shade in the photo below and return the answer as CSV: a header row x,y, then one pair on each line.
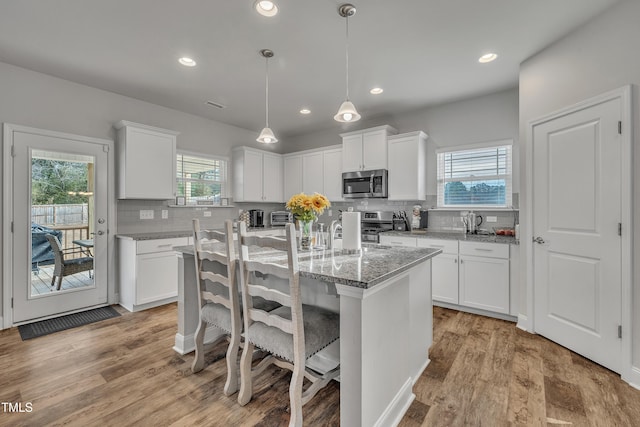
x,y
267,136
347,113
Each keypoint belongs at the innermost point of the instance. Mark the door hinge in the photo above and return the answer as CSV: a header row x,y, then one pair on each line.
x,y
105,148
12,226
620,127
13,151
11,302
619,229
619,331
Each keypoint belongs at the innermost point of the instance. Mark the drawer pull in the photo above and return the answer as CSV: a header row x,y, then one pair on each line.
x,y
483,250
168,245
437,246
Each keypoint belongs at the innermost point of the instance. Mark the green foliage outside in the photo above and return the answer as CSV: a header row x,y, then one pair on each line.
x,y
53,180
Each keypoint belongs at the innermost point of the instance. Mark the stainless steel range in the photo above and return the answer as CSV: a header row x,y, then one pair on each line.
x,y
373,223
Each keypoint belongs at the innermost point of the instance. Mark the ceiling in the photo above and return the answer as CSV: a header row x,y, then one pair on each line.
x,y
421,52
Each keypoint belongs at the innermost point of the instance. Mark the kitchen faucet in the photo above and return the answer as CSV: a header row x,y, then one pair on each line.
x,y
332,232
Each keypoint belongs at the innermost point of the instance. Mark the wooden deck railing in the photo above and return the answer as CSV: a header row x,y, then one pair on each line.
x,y
69,234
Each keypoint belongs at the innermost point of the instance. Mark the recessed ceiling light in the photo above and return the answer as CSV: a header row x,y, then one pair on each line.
x,y
266,8
305,111
487,58
376,91
187,62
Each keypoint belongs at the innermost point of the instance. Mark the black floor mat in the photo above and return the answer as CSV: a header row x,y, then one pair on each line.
x,y
46,327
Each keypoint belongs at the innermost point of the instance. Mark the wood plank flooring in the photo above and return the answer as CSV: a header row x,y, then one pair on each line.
x,y
123,372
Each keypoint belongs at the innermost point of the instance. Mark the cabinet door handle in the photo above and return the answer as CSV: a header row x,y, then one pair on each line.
x,y
455,261
461,261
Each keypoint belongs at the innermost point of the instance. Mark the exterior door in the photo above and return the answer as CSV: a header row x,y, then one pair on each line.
x,y
576,215
60,187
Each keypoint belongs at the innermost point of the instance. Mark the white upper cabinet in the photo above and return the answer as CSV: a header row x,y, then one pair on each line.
x,y
407,166
292,175
146,162
257,176
314,171
333,174
365,149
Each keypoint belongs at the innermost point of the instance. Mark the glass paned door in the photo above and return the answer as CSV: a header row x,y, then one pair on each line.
x,y
59,214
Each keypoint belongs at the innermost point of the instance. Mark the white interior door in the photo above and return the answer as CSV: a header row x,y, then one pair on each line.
x,y
46,165
576,215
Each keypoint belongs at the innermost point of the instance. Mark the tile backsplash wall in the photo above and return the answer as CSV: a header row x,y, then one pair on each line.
x,y
179,218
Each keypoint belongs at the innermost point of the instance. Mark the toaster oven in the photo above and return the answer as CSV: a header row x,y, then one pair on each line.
x,y
281,218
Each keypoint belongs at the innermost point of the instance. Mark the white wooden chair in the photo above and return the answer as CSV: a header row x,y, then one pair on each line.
x,y
292,333
218,299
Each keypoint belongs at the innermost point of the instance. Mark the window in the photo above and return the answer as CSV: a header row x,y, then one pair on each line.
x,y
475,176
201,180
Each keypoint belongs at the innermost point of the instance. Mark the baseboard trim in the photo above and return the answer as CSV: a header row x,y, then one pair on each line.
x,y
393,414
420,371
523,322
634,379
473,310
187,343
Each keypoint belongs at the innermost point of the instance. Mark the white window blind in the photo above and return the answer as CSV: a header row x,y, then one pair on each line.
x,y
475,176
201,179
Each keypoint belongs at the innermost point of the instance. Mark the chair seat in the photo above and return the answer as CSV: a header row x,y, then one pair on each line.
x,y
220,316
78,261
321,328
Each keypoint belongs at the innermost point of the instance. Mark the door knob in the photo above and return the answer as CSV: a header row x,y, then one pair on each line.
x,y
101,221
100,232
539,240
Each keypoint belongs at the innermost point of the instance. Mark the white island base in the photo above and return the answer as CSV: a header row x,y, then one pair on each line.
x,y
385,335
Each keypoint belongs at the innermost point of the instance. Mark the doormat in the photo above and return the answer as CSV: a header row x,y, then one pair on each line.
x,y
46,327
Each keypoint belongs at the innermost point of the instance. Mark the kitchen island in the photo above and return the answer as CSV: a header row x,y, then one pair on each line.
x,y
383,296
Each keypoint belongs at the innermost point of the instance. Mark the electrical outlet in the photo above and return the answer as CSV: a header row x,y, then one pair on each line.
x,y
206,213
146,214
492,219
165,214
330,212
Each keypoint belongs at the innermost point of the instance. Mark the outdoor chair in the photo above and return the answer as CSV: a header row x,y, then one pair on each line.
x,y
66,267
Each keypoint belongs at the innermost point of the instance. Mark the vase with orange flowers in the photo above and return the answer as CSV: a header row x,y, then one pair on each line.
x,y
306,208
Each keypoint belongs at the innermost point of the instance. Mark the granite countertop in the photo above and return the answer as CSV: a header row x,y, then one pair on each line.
x,y
174,234
455,235
376,264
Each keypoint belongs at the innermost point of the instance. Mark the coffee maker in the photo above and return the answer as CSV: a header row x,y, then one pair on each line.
x,y
256,218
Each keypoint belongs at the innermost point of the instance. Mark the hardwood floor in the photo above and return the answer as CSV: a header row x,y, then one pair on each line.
x,y
122,371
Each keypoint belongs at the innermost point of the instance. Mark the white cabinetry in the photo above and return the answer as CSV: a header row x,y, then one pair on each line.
x,y
444,269
365,149
146,162
292,175
313,175
467,274
332,175
257,176
148,272
314,171
484,276
407,166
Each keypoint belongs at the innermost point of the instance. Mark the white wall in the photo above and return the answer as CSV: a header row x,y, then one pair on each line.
x,y
483,118
598,57
41,101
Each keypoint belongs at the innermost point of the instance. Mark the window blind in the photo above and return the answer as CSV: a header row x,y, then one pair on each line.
x,y
201,179
479,176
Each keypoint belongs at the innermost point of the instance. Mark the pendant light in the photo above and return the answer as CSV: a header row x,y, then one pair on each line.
x,y
347,111
267,136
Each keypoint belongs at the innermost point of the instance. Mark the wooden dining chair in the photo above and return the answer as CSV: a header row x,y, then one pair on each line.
x,y
66,267
290,334
218,296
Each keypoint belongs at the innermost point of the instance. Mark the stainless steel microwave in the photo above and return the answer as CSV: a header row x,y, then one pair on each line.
x,y
365,184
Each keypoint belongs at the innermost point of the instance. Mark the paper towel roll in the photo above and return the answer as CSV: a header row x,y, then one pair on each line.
x,y
351,231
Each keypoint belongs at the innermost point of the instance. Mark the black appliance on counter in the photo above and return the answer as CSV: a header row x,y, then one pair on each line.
x,y
256,218
424,219
365,184
372,223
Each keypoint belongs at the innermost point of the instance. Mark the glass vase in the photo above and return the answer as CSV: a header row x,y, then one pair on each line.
x,y
305,234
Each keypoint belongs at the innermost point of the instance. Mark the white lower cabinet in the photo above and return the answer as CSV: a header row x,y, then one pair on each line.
x,y
444,269
467,274
148,272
